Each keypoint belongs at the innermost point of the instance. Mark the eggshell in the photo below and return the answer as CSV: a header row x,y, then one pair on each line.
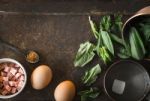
x,y
41,77
65,91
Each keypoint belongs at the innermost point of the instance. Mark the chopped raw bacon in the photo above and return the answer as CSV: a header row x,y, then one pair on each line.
x,y
5,82
1,67
14,90
7,87
18,75
12,83
20,70
13,71
11,65
17,66
21,78
1,85
20,84
9,75
1,78
3,74
4,92
5,78
6,69
11,78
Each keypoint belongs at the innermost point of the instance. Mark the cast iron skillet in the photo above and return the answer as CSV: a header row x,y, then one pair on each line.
x,y
135,76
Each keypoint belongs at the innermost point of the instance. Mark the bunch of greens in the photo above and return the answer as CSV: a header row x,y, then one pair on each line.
x,y
134,47
106,35
91,75
103,48
85,54
137,46
89,94
144,28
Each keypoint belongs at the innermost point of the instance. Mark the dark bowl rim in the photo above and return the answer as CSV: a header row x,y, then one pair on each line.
x,y
129,21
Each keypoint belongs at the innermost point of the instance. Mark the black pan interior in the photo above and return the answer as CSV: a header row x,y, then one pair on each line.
x,y
135,76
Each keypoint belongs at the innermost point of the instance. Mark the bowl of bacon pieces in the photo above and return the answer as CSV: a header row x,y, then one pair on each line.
x,y
13,78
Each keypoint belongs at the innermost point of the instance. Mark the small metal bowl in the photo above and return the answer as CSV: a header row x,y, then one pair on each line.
x,y
135,76
141,14
4,60
32,56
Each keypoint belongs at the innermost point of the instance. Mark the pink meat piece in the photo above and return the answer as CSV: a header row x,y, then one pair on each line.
x,y
13,78
20,71
11,65
1,79
9,75
18,75
17,66
1,85
4,92
12,83
5,78
7,87
20,85
3,74
5,82
1,67
21,78
6,69
14,90
16,84
13,71
4,65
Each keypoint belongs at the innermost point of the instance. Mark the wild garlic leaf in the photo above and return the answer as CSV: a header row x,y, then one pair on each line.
x,y
145,29
87,95
103,54
105,23
123,54
137,47
117,25
93,28
117,39
91,75
84,55
107,41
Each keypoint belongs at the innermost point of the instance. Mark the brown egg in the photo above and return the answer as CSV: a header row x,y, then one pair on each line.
x,y
41,77
65,91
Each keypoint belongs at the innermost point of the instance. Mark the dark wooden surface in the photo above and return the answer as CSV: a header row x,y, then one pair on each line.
x,y
54,28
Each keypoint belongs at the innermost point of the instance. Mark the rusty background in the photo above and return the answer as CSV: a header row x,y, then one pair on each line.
x,y
54,28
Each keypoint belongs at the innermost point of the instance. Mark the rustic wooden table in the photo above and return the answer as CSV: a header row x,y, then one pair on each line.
x,y
54,28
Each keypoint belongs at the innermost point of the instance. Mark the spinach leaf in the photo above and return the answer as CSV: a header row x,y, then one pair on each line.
x,y
124,54
93,28
145,29
105,23
107,41
117,39
103,54
91,75
87,95
84,55
137,47
117,24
